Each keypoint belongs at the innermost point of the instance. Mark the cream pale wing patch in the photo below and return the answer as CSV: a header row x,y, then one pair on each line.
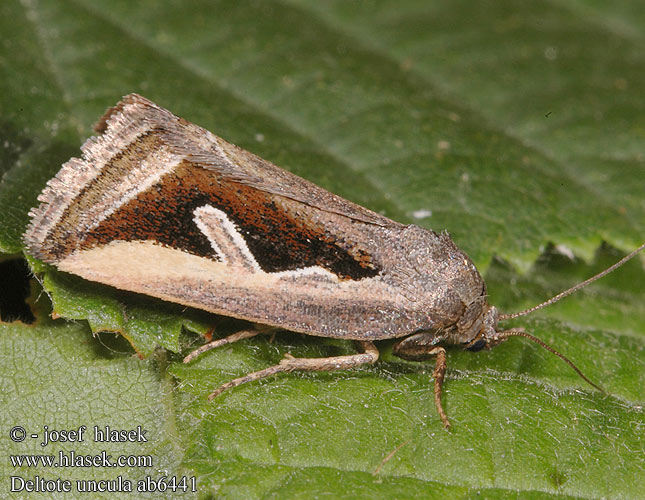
x,y
308,300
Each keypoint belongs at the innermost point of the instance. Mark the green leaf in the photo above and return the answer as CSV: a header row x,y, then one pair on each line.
x,y
55,374
146,323
517,127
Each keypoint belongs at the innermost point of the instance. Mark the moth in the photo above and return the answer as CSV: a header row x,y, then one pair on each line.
x,y
160,206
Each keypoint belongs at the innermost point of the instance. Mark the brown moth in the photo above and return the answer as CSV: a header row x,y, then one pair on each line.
x,y
160,206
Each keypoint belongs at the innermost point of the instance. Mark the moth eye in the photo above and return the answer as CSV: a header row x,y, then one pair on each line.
x,y
477,346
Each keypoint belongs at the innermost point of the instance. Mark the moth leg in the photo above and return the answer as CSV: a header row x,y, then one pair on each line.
x,y
417,348
241,335
439,374
289,364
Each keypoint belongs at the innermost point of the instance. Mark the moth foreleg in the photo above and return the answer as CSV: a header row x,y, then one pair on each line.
x,y
419,347
439,374
290,364
241,335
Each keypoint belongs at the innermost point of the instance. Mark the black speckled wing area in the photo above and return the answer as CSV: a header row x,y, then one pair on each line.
x,y
147,200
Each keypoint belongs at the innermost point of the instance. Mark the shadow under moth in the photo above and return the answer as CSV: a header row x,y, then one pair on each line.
x,y
160,206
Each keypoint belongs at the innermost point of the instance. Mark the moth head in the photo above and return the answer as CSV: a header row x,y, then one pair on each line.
x,y
486,337
481,329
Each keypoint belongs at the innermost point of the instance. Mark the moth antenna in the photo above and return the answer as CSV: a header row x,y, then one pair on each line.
x,y
503,335
575,288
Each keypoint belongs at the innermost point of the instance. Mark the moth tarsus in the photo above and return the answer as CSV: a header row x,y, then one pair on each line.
x,y
242,334
160,206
